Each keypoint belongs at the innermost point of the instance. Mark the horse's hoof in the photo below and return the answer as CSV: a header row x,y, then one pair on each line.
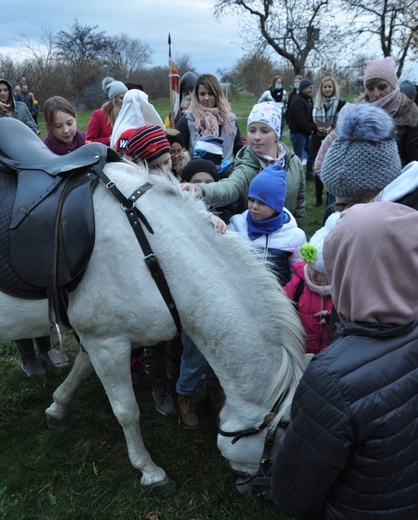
x,y
165,488
54,422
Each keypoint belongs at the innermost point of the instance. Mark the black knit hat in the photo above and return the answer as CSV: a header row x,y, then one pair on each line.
x,y
305,83
197,166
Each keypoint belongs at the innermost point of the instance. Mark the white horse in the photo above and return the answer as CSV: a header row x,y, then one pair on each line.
x,y
229,304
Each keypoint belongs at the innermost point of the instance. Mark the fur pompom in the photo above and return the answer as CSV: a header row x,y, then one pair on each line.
x,y
365,122
106,82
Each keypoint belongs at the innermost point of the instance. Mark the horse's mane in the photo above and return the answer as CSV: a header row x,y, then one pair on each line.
x,y
259,288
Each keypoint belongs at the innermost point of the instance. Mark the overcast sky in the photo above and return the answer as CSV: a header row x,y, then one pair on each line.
x,y
210,44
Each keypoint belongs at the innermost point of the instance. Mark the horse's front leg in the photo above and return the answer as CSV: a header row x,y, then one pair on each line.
x,y
81,370
112,367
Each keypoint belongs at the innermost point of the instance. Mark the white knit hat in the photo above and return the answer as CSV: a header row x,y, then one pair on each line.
x,y
311,252
113,88
267,113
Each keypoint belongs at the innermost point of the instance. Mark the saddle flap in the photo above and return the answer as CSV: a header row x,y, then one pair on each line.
x,y
56,240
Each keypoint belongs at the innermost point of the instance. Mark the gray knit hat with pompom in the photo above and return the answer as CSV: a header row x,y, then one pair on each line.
x,y
364,157
113,88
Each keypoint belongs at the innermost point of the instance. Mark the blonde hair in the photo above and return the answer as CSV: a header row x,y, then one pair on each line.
x,y
318,97
212,84
111,110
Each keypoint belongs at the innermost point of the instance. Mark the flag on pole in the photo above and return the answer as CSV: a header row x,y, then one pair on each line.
x,y
174,81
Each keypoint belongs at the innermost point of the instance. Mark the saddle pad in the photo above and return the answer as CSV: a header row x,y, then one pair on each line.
x,y
10,282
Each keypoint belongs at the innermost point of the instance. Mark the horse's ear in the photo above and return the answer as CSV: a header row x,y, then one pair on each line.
x,y
113,156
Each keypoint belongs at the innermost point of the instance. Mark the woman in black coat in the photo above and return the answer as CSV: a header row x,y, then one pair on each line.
x,y
351,449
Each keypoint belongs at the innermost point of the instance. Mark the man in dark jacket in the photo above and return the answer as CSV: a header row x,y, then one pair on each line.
x,y
301,123
351,449
25,97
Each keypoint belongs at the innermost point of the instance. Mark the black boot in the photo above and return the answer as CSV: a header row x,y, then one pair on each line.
x,y
155,358
28,362
175,350
318,191
163,399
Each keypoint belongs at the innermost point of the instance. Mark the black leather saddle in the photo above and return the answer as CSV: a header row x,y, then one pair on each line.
x,y
51,227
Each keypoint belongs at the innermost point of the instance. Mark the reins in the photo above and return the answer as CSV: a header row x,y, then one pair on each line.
x,y
136,219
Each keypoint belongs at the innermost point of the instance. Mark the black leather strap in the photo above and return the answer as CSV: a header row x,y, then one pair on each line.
x,y
136,217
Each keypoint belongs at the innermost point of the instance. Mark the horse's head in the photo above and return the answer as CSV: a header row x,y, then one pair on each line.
x,y
249,451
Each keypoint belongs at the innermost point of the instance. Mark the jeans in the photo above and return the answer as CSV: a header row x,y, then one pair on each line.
x,y
193,366
302,143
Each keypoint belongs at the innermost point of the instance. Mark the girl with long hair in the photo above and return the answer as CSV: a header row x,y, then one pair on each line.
x,y
210,114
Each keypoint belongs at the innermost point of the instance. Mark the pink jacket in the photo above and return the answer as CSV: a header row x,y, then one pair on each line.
x,y
320,156
309,304
98,128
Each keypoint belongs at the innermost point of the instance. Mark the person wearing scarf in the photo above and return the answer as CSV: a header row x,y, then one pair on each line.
x,y
327,105
276,93
263,126
350,450
209,114
268,225
9,107
381,89
61,124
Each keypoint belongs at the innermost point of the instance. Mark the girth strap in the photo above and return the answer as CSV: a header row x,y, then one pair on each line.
x,y
136,217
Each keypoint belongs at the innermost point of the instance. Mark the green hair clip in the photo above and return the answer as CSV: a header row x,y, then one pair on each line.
x,y
309,253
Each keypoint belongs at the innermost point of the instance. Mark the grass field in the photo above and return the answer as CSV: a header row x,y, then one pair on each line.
x,y
81,471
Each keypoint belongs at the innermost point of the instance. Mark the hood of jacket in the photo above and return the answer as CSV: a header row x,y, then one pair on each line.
x,y
408,113
371,260
12,99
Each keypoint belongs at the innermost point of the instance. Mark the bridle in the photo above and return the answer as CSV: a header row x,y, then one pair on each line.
x,y
260,481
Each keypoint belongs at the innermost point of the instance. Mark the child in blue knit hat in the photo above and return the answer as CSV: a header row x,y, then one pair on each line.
x,y
268,224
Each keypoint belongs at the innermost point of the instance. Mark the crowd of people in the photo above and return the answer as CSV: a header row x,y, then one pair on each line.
x,y
351,449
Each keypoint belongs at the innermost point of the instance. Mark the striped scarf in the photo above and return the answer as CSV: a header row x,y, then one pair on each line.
x,y
327,111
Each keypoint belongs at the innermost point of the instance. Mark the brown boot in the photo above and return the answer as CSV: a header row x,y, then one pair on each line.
x,y
187,412
216,397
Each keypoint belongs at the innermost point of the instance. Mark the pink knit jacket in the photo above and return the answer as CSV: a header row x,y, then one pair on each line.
x,y
309,304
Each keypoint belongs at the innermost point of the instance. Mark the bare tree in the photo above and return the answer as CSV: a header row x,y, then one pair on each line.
x,y
82,49
82,44
393,22
46,74
254,73
124,56
291,28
